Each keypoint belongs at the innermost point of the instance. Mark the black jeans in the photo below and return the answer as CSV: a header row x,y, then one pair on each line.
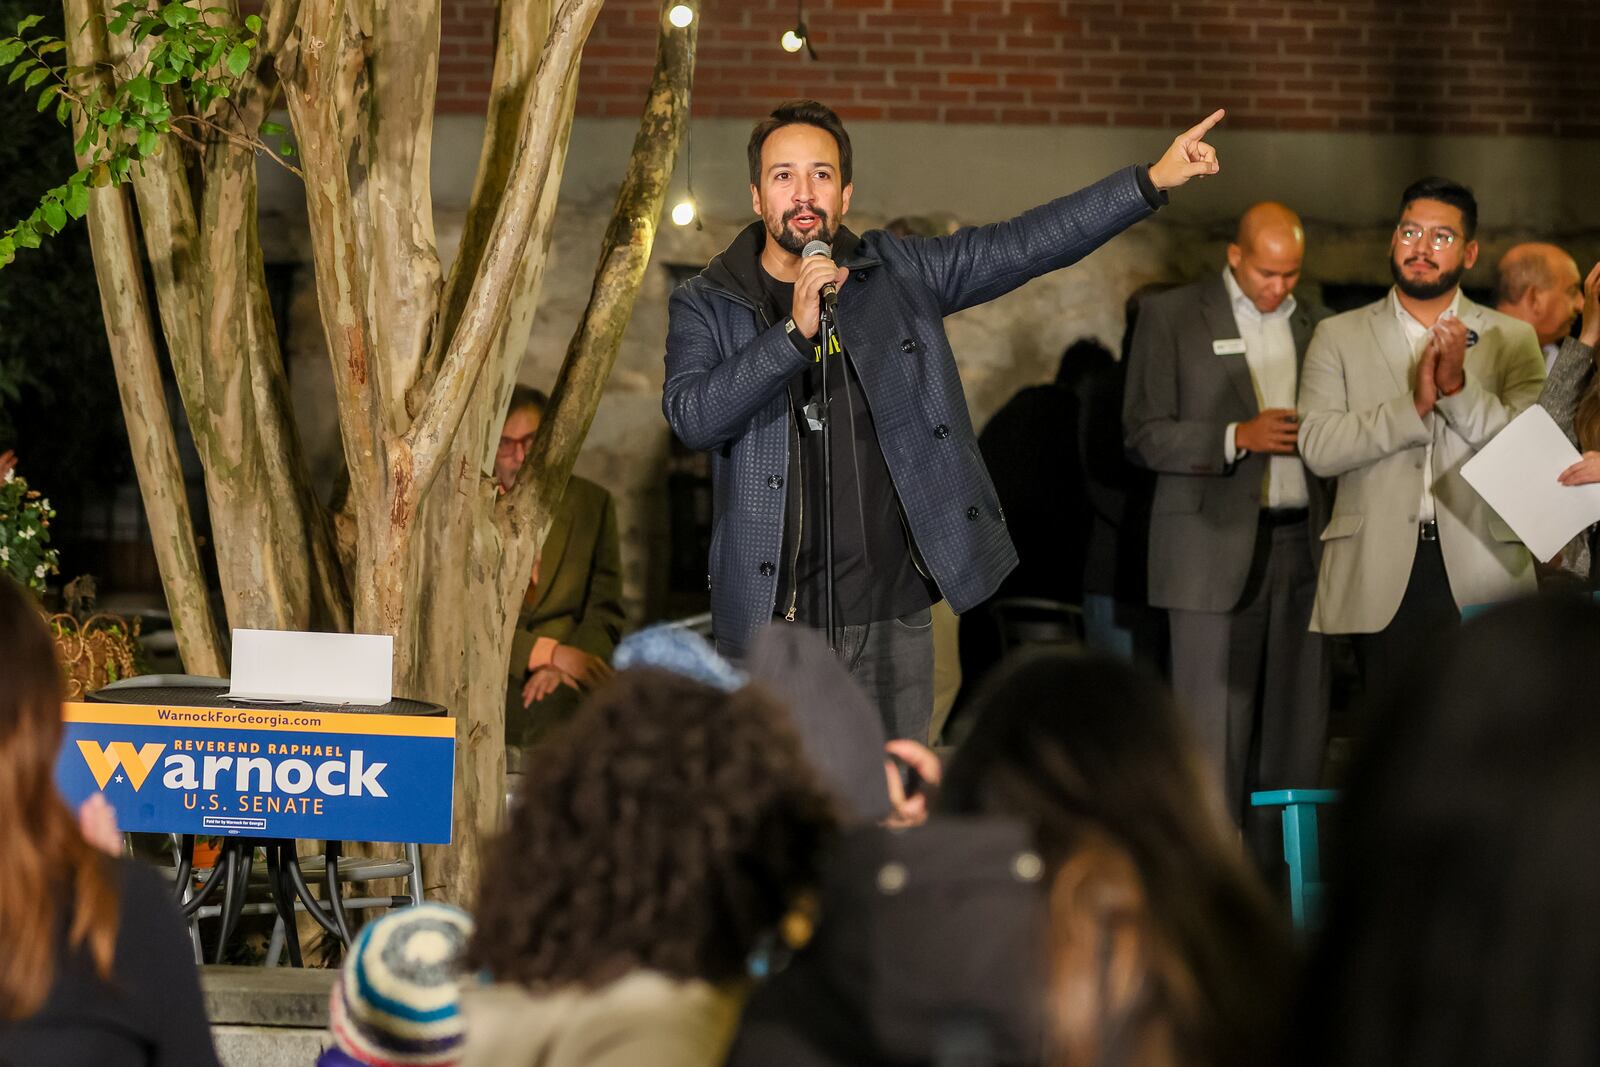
x,y
1428,609
893,661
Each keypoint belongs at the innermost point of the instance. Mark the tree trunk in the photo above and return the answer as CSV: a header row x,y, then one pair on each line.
x,y
421,365
125,305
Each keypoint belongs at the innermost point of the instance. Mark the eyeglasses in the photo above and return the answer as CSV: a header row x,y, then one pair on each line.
x,y
1438,237
511,444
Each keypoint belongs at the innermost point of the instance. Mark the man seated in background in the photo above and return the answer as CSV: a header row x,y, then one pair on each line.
x,y
572,614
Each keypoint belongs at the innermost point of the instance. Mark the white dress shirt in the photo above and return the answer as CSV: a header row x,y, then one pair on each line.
x,y
1270,355
1417,336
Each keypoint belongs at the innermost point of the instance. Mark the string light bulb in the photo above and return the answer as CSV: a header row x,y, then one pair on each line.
x,y
791,41
683,212
681,15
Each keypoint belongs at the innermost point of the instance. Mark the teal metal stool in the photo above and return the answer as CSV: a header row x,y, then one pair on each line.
x,y
1300,848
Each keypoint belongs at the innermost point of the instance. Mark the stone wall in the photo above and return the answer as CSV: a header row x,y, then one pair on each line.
x,y
1344,186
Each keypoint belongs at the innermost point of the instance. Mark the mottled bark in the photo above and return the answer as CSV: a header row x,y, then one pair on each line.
x,y
421,365
125,304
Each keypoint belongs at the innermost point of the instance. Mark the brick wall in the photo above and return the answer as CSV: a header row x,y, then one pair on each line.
x,y
1450,66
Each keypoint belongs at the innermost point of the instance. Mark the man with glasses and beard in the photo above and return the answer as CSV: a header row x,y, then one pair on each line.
x,y
1394,398
915,516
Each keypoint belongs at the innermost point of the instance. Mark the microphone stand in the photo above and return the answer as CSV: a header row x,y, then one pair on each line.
x,y
829,333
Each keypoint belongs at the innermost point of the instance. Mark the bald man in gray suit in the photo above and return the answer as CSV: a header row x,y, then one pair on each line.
x,y
1210,408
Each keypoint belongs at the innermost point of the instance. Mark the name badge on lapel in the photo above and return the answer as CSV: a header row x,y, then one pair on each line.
x,y
1228,346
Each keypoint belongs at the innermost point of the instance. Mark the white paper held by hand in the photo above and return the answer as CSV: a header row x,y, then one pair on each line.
x,y
312,668
1516,475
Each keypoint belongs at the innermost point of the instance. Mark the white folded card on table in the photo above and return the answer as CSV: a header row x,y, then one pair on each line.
x,y
312,668
1516,475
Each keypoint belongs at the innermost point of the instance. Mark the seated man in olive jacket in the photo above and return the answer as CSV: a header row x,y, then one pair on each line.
x,y
571,615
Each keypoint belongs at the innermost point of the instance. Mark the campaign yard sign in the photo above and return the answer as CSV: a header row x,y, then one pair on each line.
x,y
255,772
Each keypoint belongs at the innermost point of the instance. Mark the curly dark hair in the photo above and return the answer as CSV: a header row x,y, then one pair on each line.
x,y
666,827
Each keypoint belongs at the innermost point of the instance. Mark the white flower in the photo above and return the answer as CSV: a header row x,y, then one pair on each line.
x,y
38,572
10,475
44,505
5,555
26,533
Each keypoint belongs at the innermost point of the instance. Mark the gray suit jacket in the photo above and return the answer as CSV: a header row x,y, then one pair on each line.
x,y
1358,424
1181,396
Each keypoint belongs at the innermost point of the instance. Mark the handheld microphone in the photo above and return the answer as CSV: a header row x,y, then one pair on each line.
x,y
830,292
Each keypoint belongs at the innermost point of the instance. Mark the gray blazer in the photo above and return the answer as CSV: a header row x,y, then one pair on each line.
x,y
1570,377
1180,398
1359,425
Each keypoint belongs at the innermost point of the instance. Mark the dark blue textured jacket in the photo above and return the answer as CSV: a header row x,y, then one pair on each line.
x,y
727,368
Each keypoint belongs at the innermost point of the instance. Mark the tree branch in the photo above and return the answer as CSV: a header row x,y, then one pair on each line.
x,y
125,304
329,78
519,43
623,259
404,294
489,299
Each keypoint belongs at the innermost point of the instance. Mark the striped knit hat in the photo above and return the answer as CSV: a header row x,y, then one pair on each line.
x,y
396,1003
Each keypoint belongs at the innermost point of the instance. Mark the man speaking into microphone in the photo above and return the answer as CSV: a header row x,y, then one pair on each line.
x,y
914,516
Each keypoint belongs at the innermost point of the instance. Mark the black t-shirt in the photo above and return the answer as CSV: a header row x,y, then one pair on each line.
x,y
150,1014
875,575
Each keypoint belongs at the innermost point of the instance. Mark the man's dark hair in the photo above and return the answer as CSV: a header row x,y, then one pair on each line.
x,y
667,827
802,113
1446,192
527,398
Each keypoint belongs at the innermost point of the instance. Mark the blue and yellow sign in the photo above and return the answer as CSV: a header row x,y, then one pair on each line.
x,y
254,772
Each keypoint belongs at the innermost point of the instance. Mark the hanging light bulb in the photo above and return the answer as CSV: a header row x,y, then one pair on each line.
x,y
681,15
683,212
791,41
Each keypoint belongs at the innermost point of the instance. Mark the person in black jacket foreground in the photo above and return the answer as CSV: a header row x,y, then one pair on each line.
x,y
95,965
915,517
1461,925
1076,901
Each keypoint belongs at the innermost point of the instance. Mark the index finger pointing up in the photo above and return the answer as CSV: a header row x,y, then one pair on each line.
x,y
1204,127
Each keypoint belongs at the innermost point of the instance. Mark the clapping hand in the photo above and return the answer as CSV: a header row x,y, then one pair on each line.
x,y
1588,334
1450,341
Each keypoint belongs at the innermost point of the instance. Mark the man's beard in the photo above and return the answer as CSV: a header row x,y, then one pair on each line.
x,y
795,243
1418,290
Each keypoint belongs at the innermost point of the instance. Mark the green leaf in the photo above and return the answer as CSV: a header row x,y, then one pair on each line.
x,y
268,129
109,117
44,97
22,68
285,149
35,78
147,142
28,23
88,138
10,49
117,25
252,23
77,197
25,235
176,15
49,47
55,216
238,59
165,76
140,88
8,250
64,110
